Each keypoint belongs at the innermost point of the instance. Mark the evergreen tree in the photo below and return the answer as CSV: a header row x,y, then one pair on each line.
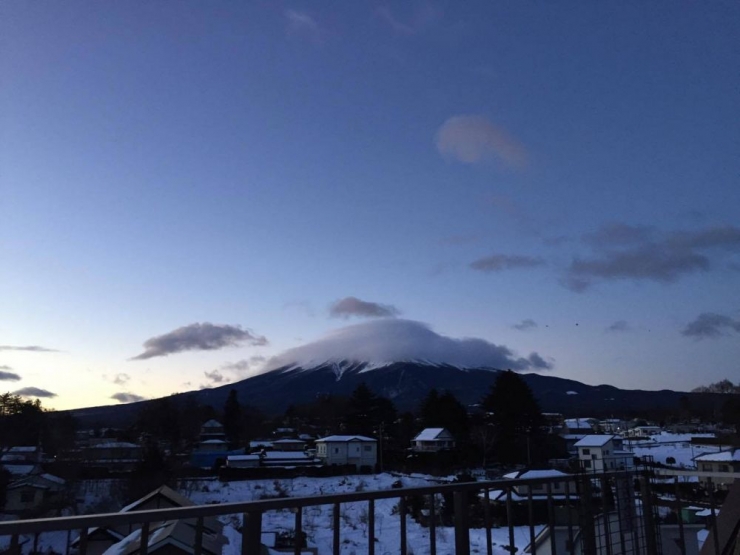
x,y
366,411
445,411
233,419
516,418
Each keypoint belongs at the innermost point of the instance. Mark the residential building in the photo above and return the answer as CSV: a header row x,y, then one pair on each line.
x,y
35,495
288,445
360,451
432,440
724,461
120,456
599,453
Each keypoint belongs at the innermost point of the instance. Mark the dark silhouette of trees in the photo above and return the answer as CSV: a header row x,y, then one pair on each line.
x,y
21,421
366,411
445,411
233,421
516,418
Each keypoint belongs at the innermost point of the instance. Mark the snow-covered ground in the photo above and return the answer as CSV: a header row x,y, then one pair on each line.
x,y
317,521
673,450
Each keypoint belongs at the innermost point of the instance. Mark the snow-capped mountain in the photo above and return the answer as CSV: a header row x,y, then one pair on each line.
x,y
406,384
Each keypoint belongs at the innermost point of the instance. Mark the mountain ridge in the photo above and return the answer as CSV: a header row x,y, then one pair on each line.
x,y
406,384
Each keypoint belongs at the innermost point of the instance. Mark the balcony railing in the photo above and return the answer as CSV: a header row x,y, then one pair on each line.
x,y
606,514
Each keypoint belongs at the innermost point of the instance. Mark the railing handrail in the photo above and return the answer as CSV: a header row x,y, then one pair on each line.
x,y
258,506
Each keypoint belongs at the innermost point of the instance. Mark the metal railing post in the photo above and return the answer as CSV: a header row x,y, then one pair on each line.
x,y
335,525
651,545
681,537
432,527
402,514
144,539
198,547
298,532
371,527
252,533
462,534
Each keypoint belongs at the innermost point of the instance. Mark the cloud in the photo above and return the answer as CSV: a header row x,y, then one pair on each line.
x,y
120,379
30,348
303,25
245,367
390,340
526,324
618,326
501,262
640,253
710,325
214,376
124,397
198,337
34,392
6,376
421,19
471,139
352,306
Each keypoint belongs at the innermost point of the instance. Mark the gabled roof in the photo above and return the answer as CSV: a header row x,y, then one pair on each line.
x,y
532,474
598,440
173,533
345,439
723,456
431,434
212,423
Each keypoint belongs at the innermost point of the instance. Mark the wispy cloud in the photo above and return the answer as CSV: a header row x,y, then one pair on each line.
x,y
34,392
618,326
640,253
501,262
422,17
7,376
245,367
303,25
349,307
119,379
199,337
472,139
390,339
124,397
214,376
29,348
711,325
524,325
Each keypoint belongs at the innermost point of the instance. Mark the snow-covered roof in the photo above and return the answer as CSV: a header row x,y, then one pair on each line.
x,y
578,423
598,440
213,424
20,469
722,456
254,457
23,449
114,445
532,474
280,455
344,439
213,441
430,434
284,441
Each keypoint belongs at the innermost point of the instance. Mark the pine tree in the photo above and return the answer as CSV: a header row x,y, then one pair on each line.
x,y
233,419
516,418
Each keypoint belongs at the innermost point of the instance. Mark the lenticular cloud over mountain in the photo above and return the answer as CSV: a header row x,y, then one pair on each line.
x,y
397,340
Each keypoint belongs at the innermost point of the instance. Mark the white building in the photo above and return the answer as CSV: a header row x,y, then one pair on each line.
x,y
599,453
360,451
431,440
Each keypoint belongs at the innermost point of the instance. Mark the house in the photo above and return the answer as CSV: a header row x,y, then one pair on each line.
x,y
600,453
35,494
360,451
23,454
102,538
172,537
272,459
213,429
288,445
613,426
724,461
432,440
520,492
581,426
120,456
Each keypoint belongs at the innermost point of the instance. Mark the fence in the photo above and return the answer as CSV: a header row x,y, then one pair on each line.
x,y
613,513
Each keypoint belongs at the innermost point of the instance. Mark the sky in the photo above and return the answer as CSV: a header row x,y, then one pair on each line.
x,y
192,192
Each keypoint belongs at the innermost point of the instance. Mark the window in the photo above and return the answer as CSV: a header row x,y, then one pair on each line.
x,y
336,450
367,448
587,451
606,451
28,496
587,464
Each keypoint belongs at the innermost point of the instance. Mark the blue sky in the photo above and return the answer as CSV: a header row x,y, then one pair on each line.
x,y
471,167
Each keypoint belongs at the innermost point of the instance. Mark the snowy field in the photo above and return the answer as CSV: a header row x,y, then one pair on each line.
x,y
674,450
317,520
